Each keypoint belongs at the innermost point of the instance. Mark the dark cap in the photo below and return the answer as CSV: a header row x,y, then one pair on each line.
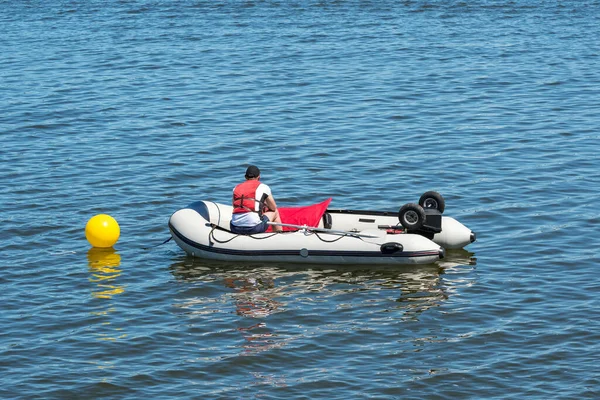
x,y
252,172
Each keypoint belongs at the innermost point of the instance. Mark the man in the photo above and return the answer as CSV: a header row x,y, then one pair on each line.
x,y
253,205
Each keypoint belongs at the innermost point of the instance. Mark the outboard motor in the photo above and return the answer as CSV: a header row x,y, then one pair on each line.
x,y
432,223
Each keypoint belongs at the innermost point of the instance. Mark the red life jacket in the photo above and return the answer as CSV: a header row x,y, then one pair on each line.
x,y
244,197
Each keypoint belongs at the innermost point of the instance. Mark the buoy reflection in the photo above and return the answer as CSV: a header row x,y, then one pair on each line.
x,y
104,267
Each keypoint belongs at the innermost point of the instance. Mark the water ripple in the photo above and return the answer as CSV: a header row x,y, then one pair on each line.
x,y
138,108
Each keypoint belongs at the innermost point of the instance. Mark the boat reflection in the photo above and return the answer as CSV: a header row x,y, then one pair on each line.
x,y
421,291
104,268
458,258
259,291
253,295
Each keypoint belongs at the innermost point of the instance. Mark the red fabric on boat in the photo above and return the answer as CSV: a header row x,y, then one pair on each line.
x,y
307,215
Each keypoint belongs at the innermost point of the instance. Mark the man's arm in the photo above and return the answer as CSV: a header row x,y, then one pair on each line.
x,y
270,202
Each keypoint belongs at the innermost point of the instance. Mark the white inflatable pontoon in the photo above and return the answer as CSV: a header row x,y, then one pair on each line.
x,y
341,237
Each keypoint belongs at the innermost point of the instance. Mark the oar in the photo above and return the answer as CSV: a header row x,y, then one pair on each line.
x,y
331,231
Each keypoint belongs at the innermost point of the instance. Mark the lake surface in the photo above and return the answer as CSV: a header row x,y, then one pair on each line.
x,y
138,108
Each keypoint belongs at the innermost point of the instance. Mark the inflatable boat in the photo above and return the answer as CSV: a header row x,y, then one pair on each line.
x,y
417,234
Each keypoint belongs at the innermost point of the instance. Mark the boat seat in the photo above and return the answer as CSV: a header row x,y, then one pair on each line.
x,y
327,221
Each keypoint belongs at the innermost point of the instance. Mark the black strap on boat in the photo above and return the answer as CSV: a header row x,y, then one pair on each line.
x,y
330,241
211,235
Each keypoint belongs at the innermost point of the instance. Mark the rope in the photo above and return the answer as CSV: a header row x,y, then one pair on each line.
x,y
213,238
151,247
214,227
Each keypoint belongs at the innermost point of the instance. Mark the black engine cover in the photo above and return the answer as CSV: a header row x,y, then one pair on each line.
x,y
432,224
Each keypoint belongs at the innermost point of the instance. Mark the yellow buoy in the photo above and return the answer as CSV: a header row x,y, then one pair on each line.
x,y
102,230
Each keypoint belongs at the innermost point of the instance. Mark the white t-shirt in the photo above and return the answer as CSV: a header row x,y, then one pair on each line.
x,y
251,218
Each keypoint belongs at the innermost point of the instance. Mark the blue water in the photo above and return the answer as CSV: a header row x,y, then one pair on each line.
x,y
137,108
